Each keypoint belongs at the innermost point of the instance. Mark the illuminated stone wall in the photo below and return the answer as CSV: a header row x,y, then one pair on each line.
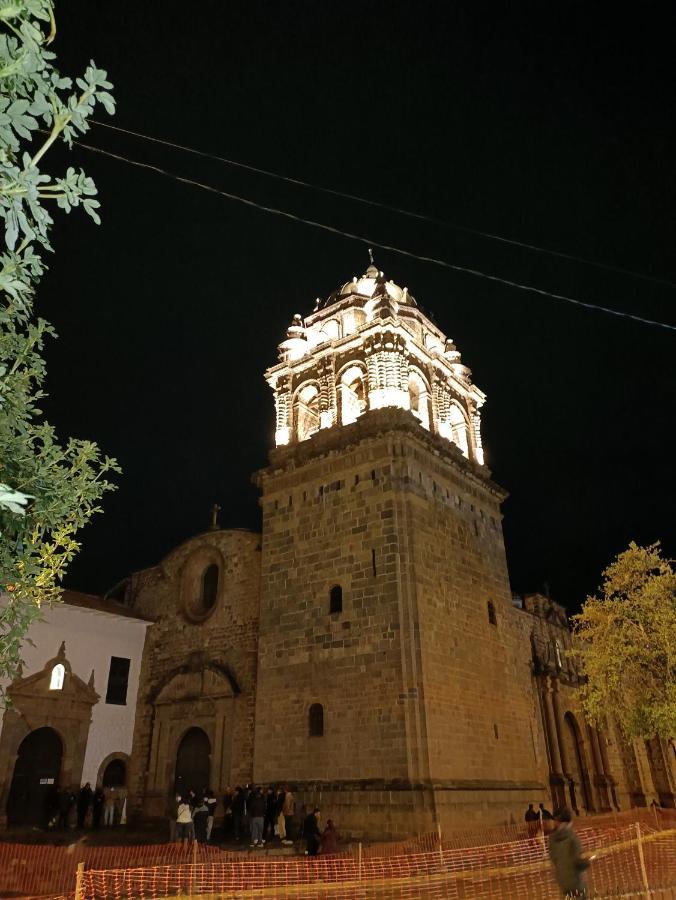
x,y
199,667
411,675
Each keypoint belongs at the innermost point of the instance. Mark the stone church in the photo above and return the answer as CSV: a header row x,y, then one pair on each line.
x,y
365,647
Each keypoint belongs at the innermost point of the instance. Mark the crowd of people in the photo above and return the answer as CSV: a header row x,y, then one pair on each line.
x,y
86,808
251,813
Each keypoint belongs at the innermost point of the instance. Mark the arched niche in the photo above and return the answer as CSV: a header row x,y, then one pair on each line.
x,y
306,411
114,770
352,393
459,428
419,397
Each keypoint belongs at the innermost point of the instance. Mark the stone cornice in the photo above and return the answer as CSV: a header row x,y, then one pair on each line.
x,y
402,784
376,424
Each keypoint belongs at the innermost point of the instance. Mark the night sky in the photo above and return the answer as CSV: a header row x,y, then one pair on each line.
x,y
551,124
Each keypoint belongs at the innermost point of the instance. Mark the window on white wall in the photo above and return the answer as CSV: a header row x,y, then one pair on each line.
x,y
56,681
118,681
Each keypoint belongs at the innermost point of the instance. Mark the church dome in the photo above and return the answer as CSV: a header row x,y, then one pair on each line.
x,y
371,284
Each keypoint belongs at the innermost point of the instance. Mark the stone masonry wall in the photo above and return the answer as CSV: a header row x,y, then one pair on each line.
x,y
411,675
218,652
486,753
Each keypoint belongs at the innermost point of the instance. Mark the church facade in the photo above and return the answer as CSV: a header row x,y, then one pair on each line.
x,y
365,647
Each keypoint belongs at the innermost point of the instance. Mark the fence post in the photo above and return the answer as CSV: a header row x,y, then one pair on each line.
x,y
644,874
359,858
441,849
79,882
542,834
657,820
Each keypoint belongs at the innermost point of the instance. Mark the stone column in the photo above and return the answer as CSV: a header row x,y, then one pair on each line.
x,y
282,412
556,778
550,729
558,721
600,782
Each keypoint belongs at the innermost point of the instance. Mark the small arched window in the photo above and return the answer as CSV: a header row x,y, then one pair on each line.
x,y
336,599
316,720
492,618
56,681
557,652
209,587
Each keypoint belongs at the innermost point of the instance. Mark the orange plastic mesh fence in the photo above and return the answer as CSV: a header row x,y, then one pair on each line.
x,y
630,856
40,870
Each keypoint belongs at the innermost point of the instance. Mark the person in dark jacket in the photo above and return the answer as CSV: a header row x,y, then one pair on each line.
x,y
97,806
546,818
311,832
270,816
84,799
329,838
199,817
565,853
257,815
238,807
532,820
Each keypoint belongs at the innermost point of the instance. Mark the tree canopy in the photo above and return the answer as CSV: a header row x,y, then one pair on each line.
x,y
627,644
48,489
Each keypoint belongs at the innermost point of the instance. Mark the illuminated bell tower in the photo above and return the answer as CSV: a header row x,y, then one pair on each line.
x,y
391,687
366,347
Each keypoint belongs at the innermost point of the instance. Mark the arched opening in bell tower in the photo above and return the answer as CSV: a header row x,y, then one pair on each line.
x,y
307,412
419,397
352,395
459,429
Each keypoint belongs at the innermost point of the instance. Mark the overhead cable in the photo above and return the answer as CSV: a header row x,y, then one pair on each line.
x,y
298,182
370,242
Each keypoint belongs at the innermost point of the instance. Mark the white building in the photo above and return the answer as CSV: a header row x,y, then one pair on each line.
x,y
71,718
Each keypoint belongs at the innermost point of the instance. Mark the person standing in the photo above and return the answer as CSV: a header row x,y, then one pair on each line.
x,y
311,832
97,806
257,814
288,810
532,819
84,799
227,813
172,815
279,813
108,807
546,818
200,816
184,827
212,803
565,853
270,816
238,812
329,838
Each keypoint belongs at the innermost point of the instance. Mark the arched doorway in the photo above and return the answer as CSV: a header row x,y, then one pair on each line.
x,y
115,774
193,761
579,762
36,778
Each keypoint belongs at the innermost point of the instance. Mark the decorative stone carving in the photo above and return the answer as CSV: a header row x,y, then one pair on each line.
x,y
408,363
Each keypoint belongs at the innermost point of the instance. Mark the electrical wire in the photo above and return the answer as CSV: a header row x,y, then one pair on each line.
x,y
370,242
395,209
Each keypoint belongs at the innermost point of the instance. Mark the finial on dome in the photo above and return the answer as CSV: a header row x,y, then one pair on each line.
x,y
371,256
